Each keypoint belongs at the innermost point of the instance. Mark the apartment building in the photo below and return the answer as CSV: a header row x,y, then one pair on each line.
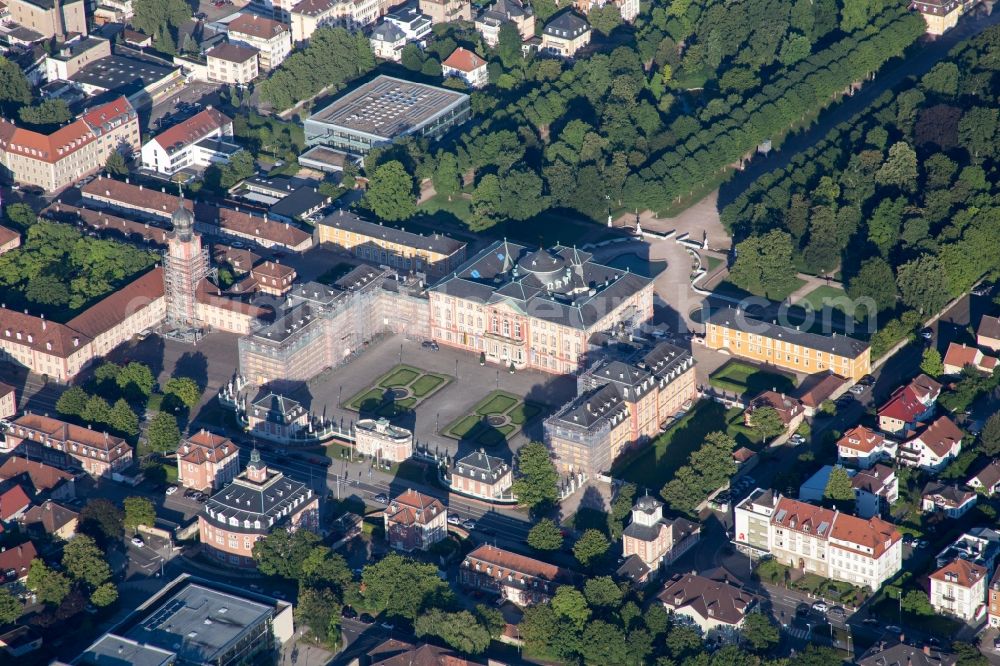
x,y
468,66
812,539
191,144
96,453
435,255
959,589
258,501
519,579
272,39
620,404
933,447
909,405
414,521
382,440
206,461
862,447
71,58
232,64
993,600
444,11
482,475
565,34
492,17
307,16
57,160
657,541
50,18
536,309
785,347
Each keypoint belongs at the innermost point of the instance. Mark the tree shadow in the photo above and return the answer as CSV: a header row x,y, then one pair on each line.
x,y
193,365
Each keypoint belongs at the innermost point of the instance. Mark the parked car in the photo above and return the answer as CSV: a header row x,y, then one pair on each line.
x,y
430,344
138,542
171,490
981,290
469,524
454,520
820,607
366,619
797,439
381,498
348,612
867,380
869,620
388,626
837,611
857,389
926,333
893,629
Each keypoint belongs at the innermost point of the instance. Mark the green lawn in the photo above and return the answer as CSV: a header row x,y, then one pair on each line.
x,y
463,426
426,385
748,380
400,377
524,413
367,399
654,465
818,296
711,263
420,383
496,403
728,288
460,206
473,427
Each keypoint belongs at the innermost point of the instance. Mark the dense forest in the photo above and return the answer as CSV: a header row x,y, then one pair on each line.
x,y
693,87
904,201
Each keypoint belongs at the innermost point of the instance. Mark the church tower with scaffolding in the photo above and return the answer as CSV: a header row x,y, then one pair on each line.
x,y
185,265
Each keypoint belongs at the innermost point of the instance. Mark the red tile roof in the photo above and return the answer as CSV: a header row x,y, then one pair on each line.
x,y
989,327
99,116
959,356
17,559
237,221
413,508
941,436
43,477
872,537
40,335
51,516
272,269
5,389
111,310
7,235
192,130
104,221
67,139
504,562
960,572
802,517
13,501
136,196
925,388
709,598
861,439
464,60
205,446
256,26
61,432
904,405
208,294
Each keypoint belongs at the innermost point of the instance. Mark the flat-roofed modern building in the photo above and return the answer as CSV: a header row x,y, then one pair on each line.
x,y
196,622
386,108
435,255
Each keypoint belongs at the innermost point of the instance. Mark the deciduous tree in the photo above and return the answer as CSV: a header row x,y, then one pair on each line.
x,y
84,561
102,520
461,630
545,535
139,511
390,192
767,422
536,486
590,548
403,587
282,553
51,587
10,607
931,362
163,434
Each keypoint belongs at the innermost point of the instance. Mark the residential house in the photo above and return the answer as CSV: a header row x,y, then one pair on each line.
x,y
445,11
256,502
656,540
273,278
875,490
993,600
387,40
959,356
986,480
467,66
415,25
629,9
8,401
862,447
565,34
56,160
15,562
819,387
733,330
414,521
789,409
232,64
951,500
392,652
752,522
518,12
980,545
38,479
482,475
934,447
309,15
98,453
383,441
193,144
272,39
902,654
959,589
52,519
988,335
710,604
909,405
941,15
9,239
14,502
519,579
206,461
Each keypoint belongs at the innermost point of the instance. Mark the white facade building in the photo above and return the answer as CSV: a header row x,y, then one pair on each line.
x,y
959,589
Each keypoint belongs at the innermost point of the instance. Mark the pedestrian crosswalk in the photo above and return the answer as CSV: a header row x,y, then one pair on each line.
x,y
796,632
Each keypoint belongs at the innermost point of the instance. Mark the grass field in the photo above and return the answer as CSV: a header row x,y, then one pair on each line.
x,y
748,380
401,376
729,289
426,385
711,263
817,297
473,427
652,466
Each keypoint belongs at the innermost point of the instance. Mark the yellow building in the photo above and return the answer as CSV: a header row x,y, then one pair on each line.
x,y
941,15
565,34
49,19
734,331
435,255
